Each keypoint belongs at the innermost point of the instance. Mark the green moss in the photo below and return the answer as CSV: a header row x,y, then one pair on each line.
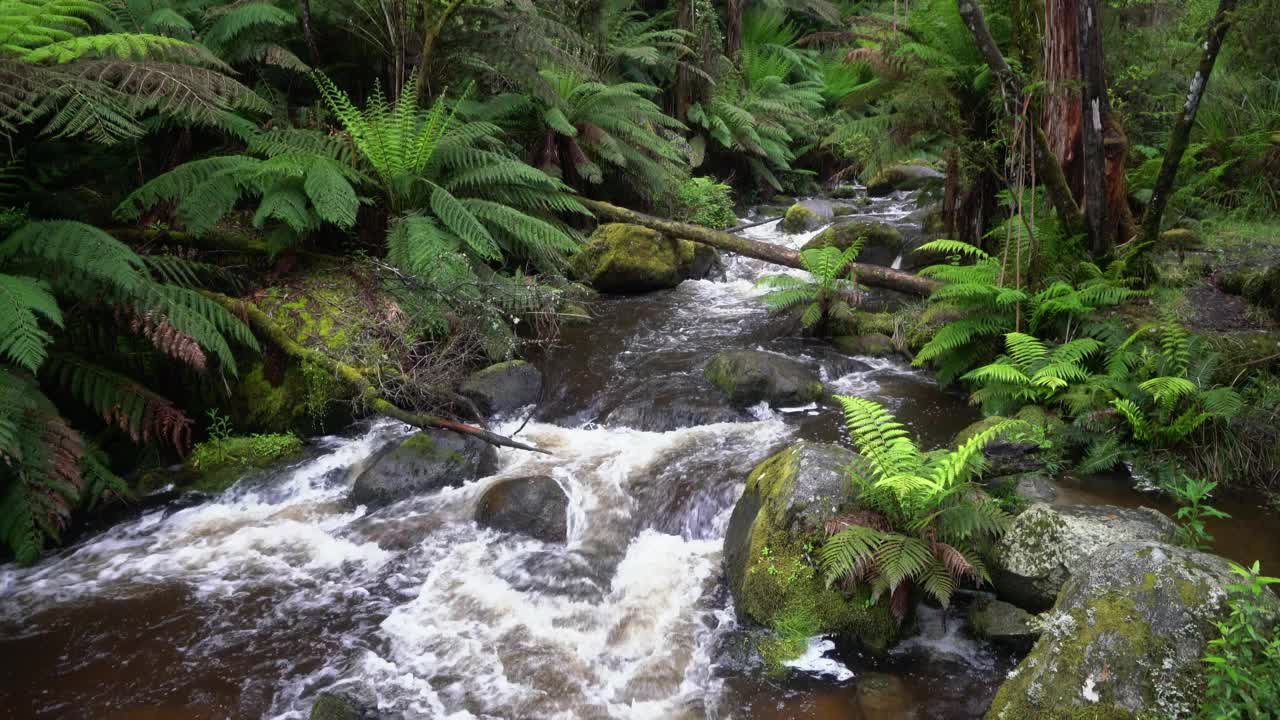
x,y
628,258
332,707
800,219
215,465
978,427
845,234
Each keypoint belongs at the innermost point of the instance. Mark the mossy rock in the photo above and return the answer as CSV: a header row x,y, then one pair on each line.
x,y
427,461
1003,623
976,428
800,219
625,259
215,465
845,192
329,706
1182,239
1126,638
874,344
881,243
843,210
503,388
785,200
747,377
1261,287
903,177
769,547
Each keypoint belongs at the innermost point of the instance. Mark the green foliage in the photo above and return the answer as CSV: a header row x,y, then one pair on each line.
x,y
831,295
1191,495
703,201
1030,373
1244,660
923,521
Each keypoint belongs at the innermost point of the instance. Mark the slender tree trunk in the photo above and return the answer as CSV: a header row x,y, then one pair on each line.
x,y
1180,136
1094,106
867,274
1048,166
684,79
308,34
433,26
733,29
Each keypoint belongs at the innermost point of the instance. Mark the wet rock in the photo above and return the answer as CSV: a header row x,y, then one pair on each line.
x,y
1006,455
1126,638
1001,622
333,706
874,344
534,506
881,243
1047,545
621,258
503,388
903,177
572,313
1033,486
747,377
800,219
699,262
881,695
768,547
845,192
843,210
429,460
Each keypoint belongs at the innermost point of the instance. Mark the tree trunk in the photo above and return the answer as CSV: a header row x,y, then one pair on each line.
x,y
1094,106
733,29
873,275
308,33
1180,136
366,392
683,89
433,26
1049,168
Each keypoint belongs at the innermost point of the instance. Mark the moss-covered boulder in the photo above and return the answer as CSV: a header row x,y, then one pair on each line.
x,y
800,219
621,259
903,177
427,461
1261,287
747,377
216,464
843,210
873,344
503,388
1126,638
881,243
533,506
1013,453
768,549
1003,623
1048,544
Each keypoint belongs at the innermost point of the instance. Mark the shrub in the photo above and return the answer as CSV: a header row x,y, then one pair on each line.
x,y
705,202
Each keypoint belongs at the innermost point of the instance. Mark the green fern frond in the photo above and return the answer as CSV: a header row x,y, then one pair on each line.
x,y
23,301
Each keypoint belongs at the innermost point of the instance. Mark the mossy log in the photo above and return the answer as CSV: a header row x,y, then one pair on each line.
x,y
365,391
776,254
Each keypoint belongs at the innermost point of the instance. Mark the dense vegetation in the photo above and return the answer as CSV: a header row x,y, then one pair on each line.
x,y
167,161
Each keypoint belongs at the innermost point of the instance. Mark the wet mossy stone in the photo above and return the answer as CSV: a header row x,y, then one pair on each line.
x,y
625,259
768,549
1126,639
503,388
1006,455
903,177
881,243
872,344
534,506
1047,545
747,377
800,219
843,210
845,192
427,461
1001,622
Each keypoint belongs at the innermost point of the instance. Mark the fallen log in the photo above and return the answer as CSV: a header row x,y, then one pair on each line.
x,y
873,275
366,392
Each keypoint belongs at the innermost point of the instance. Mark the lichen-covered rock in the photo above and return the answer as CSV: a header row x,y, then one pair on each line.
x,y
1126,638
427,461
873,344
903,177
1048,544
621,258
747,377
503,388
1001,622
1035,487
534,506
768,548
881,243
800,218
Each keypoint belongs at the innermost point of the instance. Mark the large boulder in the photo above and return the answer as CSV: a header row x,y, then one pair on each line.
x,y
881,243
534,506
747,377
768,547
427,461
903,177
801,218
1126,638
621,258
503,388
1048,544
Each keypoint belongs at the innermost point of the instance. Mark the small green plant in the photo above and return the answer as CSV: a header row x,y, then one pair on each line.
x,y
792,629
830,296
1244,660
1030,373
703,201
1191,494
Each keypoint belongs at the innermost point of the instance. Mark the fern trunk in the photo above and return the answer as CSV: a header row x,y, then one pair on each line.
x,y
873,275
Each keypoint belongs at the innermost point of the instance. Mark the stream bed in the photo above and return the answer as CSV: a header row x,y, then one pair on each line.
x,y
249,605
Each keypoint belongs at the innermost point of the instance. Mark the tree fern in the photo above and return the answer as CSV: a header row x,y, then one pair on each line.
x,y
829,297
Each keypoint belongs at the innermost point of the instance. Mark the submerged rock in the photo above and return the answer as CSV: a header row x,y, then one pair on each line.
x,y
873,344
1001,622
1048,544
747,377
1126,638
332,706
768,548
903,177
799,219
429,460
503,388
534,506
621,258
881,243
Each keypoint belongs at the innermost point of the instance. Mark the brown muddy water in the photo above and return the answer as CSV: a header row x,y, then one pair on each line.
x,y
250,604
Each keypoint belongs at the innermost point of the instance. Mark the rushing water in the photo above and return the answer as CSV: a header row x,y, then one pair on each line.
x,y
248,605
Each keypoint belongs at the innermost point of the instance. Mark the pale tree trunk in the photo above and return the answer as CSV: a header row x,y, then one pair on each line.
x,y
1180,136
